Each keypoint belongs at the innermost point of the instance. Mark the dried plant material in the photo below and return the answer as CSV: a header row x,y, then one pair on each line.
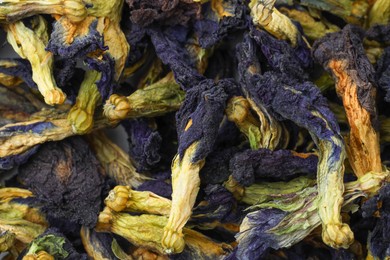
x,y
379,13
250,165
7,240
313,27
122,198
162,97
197,124
14,10
81,114
54,127
97,245
115,161
41,255
343,55
24,221
147,231
144,143
51,245
30,42
166,12
281,220
378,206
238,110
285,96
228,117
351,11
266,16
54,174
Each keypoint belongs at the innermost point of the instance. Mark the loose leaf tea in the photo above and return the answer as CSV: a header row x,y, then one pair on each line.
x,y
239,129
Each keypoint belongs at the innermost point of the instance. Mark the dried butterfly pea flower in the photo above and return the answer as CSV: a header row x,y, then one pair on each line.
x,y
271,128
41,255
313,27
24,221
55,173
285,219
198,55
8,162
122,198
96,87
13,106
249,165
157,99
162,12
281,57
173,53
17,142
302,103
153,101
52,245
384,130
238,111
342,54
209,214
104,17
378,33
378,239
143,253
115,161
263,192
79,41
259,132
114,38
153,75
81,114
106,66
197,125
254,236
14,10
159,187
18,71
97,245
383,73
216,168
139,44
29,43
311,248
219,20
144,142
265,15
67,76
7,240
379,13
351,11
219,205
147,231
108,14
102,20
